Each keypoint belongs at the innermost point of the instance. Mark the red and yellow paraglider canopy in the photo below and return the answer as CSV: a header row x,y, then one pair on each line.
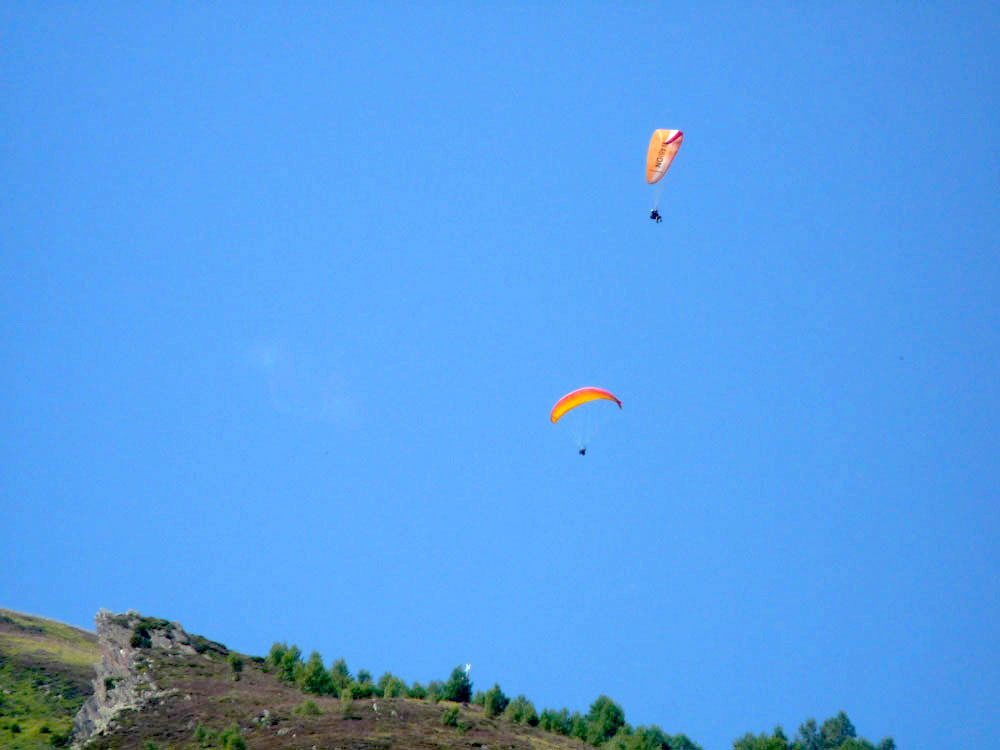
x,y
663,147
580,396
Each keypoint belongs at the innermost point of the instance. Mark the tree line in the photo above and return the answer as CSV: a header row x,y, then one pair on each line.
x,y
603,726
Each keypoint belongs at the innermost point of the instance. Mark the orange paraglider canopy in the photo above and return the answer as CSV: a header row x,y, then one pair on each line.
x,y
580,396
663,147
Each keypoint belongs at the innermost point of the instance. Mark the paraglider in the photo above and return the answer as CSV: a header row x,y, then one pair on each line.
x,y
577,398
580,396
663,147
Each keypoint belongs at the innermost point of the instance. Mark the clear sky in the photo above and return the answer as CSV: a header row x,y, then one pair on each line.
x,y
288,293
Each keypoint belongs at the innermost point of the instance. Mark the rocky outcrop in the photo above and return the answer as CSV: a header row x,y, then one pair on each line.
x,y
130,645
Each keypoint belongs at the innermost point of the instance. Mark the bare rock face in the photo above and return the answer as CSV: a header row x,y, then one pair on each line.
x,y
124,680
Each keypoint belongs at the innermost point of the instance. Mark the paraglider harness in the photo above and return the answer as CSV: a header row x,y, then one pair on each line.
x,y
655,216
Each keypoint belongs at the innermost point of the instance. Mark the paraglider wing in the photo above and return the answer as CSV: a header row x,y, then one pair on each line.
x,y
580,396
663,147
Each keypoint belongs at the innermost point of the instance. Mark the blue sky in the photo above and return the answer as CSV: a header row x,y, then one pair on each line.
x,y
289,292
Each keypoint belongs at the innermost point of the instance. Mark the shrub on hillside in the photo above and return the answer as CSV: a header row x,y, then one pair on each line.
x,y
681,742
275,655
315,678
458,688
434,691
417,691
308,708
578,726
521,711
340,674
227,739
556,721
647,738
291,665
836,733
346,704
201,734
604,720
141,637
390,686
230,739
495,701
358,690
450,717
762,741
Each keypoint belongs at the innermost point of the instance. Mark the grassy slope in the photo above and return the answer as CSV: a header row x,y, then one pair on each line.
x,y
45,673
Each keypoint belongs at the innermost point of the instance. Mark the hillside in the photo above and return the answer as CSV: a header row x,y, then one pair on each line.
x,y
159,687
145,683
46,670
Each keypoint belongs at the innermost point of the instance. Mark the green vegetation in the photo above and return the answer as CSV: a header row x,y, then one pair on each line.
x,y
37,708
390,686
418,691
33,635
141,637
236,662
364,689
433,691
558,722
315,678
45,667
603,726
290,667
226,739
149,623
604,720
312,677
204,645
308,708
521,711
142,628
458,688
495,702
836,733
347,705
648,738
341,674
